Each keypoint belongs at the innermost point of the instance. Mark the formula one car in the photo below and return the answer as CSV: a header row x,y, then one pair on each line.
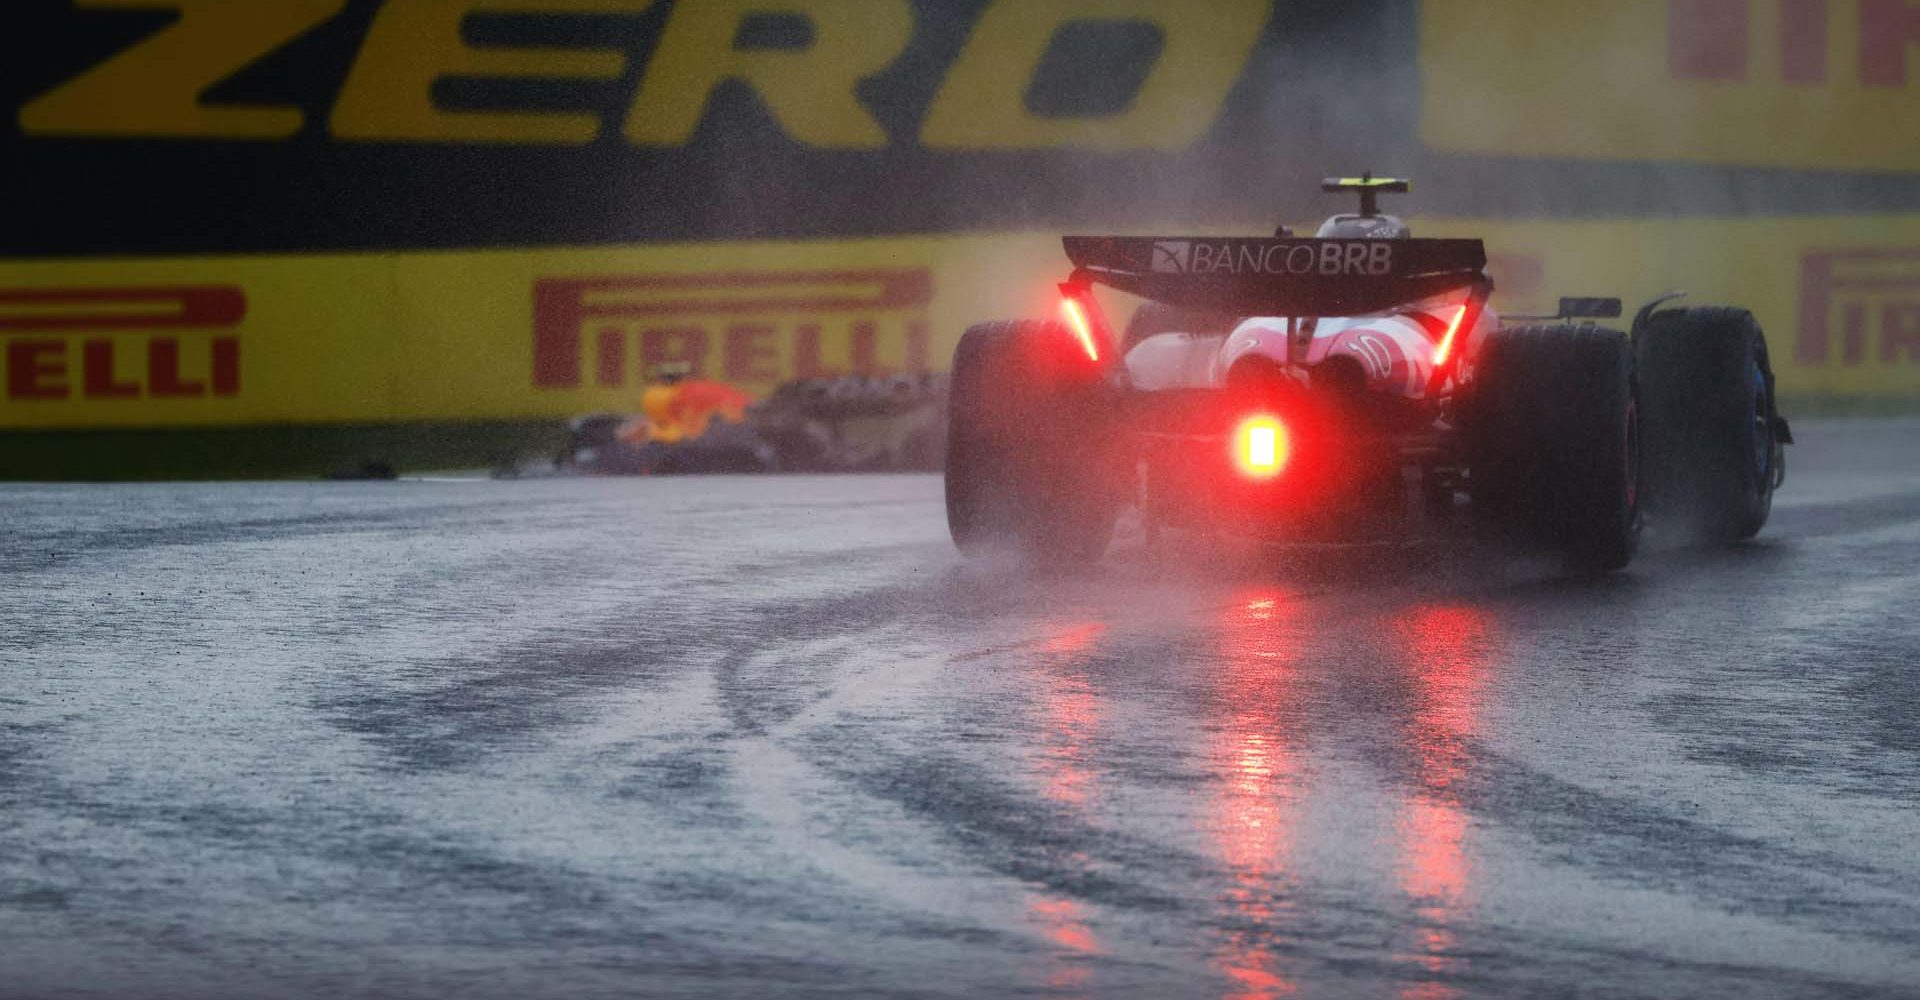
x,y
685,425
844,423
1350,387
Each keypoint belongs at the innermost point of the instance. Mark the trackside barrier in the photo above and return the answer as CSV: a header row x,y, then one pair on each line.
x,y
535,334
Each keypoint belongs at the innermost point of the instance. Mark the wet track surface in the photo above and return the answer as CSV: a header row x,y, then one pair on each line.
x,y
770,737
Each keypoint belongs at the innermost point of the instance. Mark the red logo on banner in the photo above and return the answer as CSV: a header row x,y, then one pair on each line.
x,y
728,326
1712,40
43,327
1865,302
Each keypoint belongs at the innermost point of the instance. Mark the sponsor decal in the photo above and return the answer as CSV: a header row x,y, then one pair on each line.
x,y
814,83
1860,307
744,328
157,343
1173,256
549,333
1716,40
1824,84
1369,258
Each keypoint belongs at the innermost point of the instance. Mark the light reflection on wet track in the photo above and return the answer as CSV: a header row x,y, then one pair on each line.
x,y
770,738
1254,764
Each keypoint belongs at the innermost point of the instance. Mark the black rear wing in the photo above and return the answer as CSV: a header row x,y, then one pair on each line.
x,y
1278,277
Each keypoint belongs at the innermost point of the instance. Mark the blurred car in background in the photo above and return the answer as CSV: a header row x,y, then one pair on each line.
x,y
848,423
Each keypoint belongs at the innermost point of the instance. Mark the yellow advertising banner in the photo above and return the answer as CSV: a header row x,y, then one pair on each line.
x,y
1839,298
517,334
1814,84
482,335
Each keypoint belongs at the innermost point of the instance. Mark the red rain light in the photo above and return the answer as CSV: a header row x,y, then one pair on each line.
x,y
1261,447
1445,349
1077,318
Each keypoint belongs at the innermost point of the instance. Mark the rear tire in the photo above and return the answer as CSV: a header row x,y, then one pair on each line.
x,y
1554,428
1713,449
1032,459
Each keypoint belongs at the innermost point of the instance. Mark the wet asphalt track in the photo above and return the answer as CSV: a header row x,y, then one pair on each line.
x,y
769,737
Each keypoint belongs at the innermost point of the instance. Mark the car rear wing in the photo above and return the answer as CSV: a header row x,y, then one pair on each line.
x,y
1278,277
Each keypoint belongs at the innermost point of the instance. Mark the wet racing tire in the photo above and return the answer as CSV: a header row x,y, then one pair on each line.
x,y
1713,439
1032,462
1553,425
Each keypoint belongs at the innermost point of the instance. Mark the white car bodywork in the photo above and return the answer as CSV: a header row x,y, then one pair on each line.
x,y
1396,349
